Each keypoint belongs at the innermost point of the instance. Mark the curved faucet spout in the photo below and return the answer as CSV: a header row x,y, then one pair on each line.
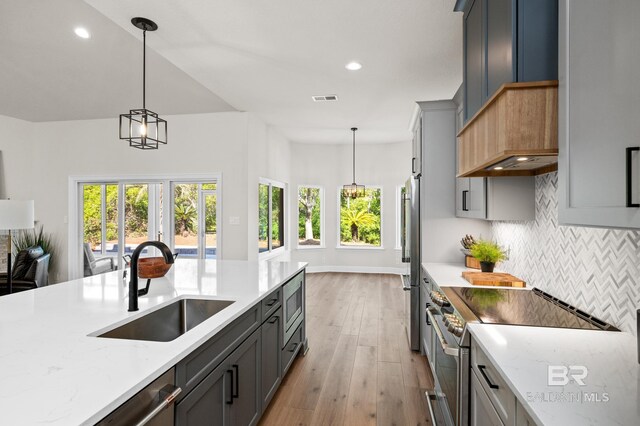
x,y
133,281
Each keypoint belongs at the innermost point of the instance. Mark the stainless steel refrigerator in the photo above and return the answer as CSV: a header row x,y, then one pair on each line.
x,y
410,238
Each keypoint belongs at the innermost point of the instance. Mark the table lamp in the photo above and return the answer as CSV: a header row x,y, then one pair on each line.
x,y
15,214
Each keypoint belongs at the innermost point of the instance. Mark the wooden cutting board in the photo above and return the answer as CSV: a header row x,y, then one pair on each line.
x,y
493,278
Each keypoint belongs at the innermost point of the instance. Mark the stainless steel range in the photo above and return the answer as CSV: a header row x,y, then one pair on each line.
x,y
449,312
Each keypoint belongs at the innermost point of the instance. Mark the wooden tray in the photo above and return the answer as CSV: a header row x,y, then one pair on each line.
x,y
493,279
471,262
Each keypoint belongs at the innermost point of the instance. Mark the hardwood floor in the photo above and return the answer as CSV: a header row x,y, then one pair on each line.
x,y
359,369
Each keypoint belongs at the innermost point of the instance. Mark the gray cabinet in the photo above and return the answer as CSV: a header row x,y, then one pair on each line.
x,y
271,356
481,411
244,363
207,402
599,106
471,198
416,150
229,395
507,41
473,58
499,33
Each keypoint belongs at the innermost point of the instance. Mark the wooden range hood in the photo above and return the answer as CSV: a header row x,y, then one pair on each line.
x,y
516,130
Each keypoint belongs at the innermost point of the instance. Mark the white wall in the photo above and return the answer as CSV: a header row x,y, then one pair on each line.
x,y
38,159
15,150
329,166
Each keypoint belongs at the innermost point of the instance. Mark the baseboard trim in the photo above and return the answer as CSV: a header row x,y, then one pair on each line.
x,y
358,269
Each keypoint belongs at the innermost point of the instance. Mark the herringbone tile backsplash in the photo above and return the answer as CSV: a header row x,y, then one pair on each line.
x,y
596,270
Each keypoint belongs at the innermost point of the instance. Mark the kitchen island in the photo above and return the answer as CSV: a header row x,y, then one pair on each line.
x,y
54,370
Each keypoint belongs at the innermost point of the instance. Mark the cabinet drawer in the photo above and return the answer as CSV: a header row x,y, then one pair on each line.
x,y
202,361
271,303
503,400
291,349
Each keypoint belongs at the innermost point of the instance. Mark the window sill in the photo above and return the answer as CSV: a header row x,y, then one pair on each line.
x,y
322,246
360,247
266,255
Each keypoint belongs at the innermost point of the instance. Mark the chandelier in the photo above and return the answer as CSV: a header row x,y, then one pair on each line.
x,y
143,128
353,190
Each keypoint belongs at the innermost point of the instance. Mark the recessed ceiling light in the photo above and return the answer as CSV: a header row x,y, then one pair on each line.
x,y
523,158
82,32
353,66
497,168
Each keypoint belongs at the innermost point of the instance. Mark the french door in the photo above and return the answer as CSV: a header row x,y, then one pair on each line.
x,y
195,219
116,216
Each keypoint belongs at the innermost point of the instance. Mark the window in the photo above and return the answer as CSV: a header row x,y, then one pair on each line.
x,y
361,219
309,216
271,223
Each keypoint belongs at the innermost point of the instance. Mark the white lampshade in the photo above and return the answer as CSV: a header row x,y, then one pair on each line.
x,y
16,214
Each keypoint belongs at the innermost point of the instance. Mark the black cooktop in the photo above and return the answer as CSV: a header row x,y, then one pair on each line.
x,y
523,307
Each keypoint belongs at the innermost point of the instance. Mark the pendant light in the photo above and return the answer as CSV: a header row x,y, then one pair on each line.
x,y
354,190
142,127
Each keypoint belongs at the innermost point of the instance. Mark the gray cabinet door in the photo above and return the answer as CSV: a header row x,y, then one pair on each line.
x,y
473,59
207,403
481,411
599,106
416,160
245,364
462,195
500,47
271,353
471,198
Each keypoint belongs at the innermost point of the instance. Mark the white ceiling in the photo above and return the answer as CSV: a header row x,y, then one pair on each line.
x,y
267,57
47,73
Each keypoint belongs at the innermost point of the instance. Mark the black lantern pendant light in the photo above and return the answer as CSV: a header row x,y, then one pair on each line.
x,y
354,190
142,127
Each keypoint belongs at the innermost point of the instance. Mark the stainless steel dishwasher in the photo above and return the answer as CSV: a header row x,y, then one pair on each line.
x,y
153,405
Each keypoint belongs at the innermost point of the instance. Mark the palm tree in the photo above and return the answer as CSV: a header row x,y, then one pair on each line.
x,y
355,219
185,216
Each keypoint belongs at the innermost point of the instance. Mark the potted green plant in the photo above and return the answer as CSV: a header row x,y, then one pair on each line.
x,y
488,254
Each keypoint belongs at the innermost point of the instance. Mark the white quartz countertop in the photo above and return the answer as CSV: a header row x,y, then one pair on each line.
x,y
52,371
611,391
450,275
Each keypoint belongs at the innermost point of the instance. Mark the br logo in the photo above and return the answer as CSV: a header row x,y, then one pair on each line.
x,y
560,375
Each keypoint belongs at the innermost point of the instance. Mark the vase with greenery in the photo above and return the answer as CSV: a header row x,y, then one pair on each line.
x,y
488,254
35,237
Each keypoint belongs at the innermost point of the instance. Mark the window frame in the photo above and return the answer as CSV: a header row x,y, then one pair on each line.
x,y
322,217
271,252
339,219
399,189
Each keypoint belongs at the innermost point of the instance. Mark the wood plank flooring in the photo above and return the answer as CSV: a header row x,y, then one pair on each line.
x,y
359,369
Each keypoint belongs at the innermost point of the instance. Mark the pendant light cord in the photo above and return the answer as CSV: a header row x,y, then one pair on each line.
x,y
354,155
144,69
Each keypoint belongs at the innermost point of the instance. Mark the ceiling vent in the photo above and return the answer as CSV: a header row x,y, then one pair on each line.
x,y
325,98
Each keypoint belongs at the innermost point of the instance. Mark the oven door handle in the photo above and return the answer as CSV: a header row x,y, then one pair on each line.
x,y
446,348
431,396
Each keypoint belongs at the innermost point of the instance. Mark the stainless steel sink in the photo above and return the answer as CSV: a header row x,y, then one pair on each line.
x,y
170,322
